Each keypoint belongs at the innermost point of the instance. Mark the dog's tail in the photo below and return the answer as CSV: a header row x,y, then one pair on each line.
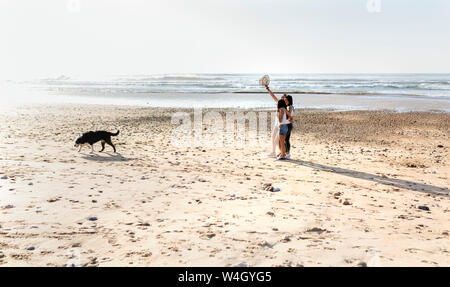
x,y
116,134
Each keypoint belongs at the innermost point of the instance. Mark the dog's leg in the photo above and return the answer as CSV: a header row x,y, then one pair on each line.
x,y
80,147
111,144
92,148
103,146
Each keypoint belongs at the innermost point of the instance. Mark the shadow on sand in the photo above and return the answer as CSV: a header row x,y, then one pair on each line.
x,y
106,157
399,183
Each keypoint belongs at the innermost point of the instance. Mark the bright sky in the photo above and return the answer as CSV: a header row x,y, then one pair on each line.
x,y
105,37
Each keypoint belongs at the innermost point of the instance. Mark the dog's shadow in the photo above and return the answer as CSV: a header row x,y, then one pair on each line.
x,y
106,157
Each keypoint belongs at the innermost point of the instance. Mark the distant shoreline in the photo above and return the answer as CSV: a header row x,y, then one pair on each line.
x,y
244,101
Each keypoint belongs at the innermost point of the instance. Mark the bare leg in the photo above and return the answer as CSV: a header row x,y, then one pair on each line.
x,y
283,146
275,140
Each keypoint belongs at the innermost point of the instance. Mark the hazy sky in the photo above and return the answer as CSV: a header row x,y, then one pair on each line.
x,y
50,37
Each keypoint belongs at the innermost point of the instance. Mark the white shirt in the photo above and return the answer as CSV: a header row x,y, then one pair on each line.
x,y
285,120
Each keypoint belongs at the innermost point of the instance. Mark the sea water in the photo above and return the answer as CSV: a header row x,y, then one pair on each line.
x,y
402,92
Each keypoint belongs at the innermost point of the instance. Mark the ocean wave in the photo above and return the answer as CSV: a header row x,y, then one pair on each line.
x,y
343,92
361,85
173,78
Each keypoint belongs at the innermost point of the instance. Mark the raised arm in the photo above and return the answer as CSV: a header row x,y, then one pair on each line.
x,y
272,94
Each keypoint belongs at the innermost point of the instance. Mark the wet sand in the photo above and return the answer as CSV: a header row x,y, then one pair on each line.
x,y
363,188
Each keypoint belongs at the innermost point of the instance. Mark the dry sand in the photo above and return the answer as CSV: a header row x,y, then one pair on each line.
x,y
349,197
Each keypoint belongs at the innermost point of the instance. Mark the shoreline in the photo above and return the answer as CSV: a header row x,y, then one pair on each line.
x,y
21,105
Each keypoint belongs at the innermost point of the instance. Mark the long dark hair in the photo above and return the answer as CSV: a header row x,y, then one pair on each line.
x,y
289,98
281,104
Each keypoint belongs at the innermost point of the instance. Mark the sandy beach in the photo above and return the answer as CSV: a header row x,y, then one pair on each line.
x,y
363,188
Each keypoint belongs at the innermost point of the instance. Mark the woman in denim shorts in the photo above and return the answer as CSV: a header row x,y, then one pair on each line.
x,y
276,131
284,122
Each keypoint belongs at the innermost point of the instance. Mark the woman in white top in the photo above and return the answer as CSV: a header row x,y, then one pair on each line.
x,y
275,132
283,120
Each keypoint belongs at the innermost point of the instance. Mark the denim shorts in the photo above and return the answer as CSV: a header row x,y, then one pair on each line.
x,y
283,130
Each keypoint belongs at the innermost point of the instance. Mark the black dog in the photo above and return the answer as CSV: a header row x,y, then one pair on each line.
x,y
92,137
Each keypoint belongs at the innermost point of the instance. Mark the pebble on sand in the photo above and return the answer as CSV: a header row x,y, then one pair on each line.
x,y
210,235
423,207
4,177
31,248
267,186
361,264
270,187
286,239
93,218
317,230
347,202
